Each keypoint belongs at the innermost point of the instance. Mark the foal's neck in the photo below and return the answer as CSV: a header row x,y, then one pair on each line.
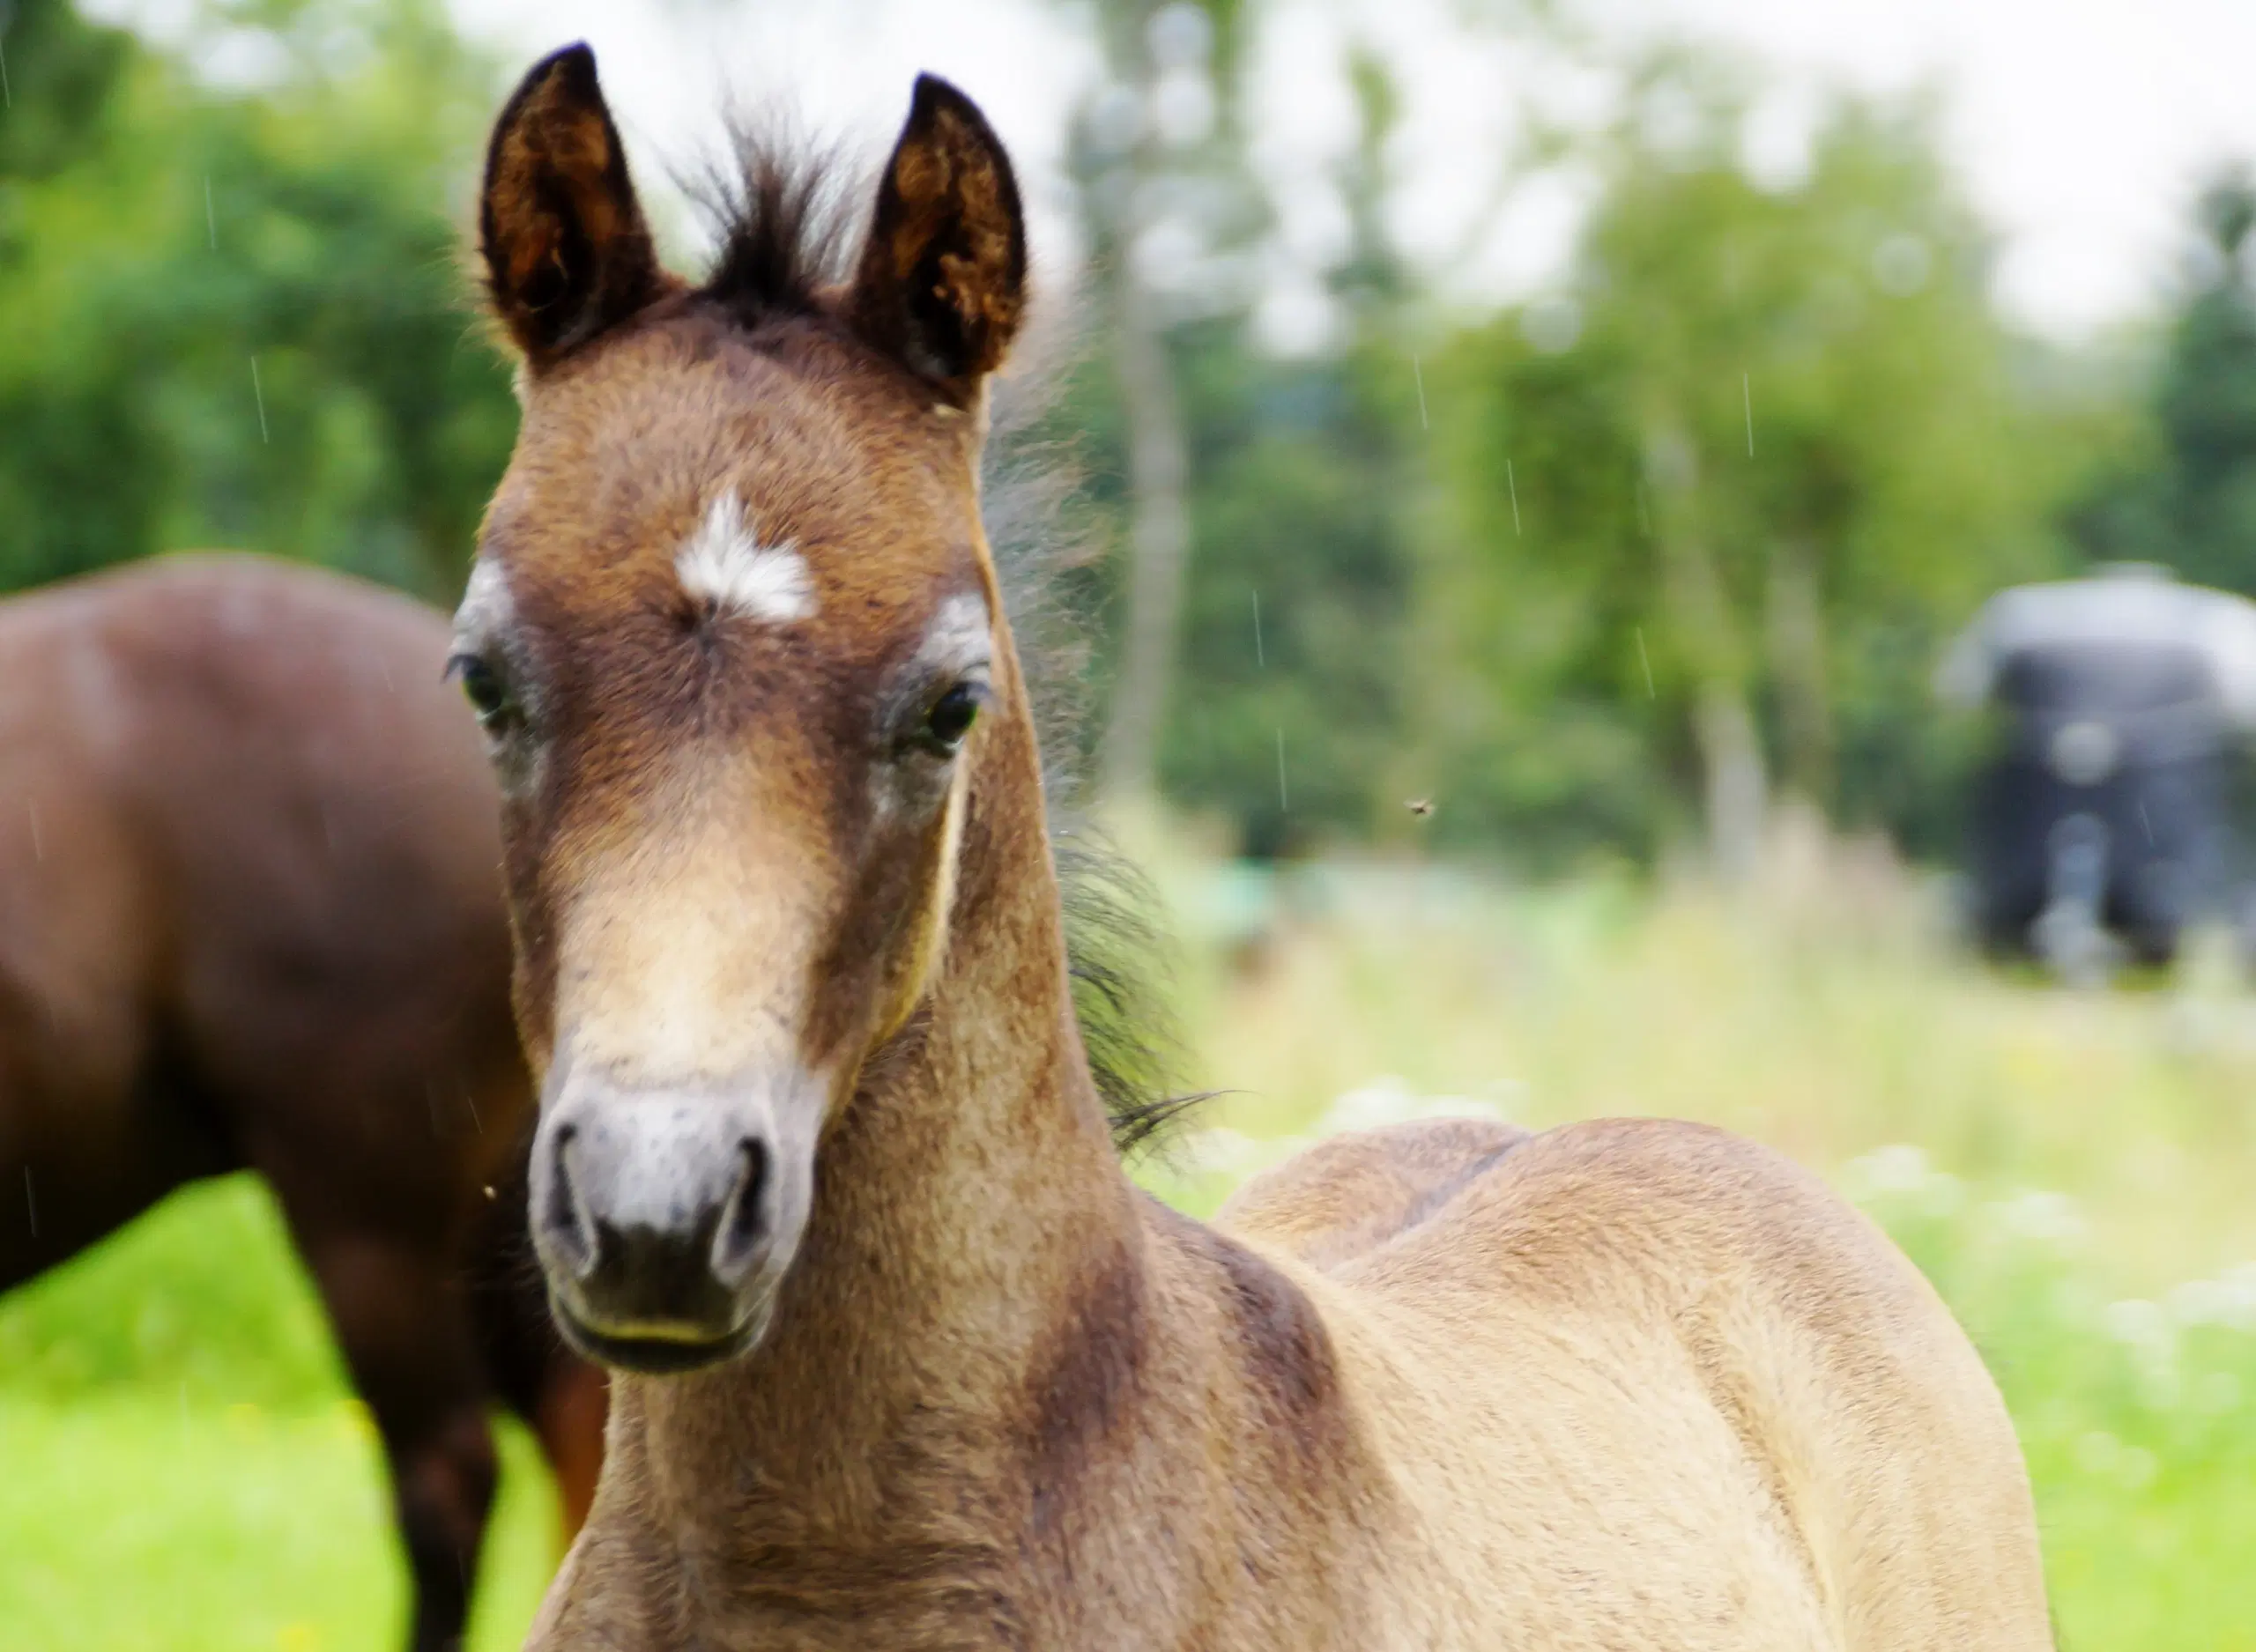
x,y
970,1216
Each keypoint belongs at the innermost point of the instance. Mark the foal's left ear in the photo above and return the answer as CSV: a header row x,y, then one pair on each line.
x,y
942,285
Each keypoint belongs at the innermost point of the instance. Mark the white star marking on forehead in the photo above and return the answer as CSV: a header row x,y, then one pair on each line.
x,y
723,564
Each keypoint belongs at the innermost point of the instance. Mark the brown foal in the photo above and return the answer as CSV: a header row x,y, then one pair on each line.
x,y
903,1359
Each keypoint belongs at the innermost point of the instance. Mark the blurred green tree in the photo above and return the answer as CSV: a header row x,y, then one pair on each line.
x,y
68,69
1165,199
234,315
1707,510
2188,496
1262,581
1294,595
1294,619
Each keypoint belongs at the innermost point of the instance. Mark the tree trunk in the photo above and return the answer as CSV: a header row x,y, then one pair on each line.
x,y
1705,634
1797,628
1159,534
1736,795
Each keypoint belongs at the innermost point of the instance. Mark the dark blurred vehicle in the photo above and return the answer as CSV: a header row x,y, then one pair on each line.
x,y
2102,822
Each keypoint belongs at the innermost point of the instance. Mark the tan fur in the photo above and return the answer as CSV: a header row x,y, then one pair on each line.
x,y
1623,1385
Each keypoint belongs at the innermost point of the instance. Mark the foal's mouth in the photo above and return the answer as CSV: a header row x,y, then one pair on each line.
x,y
650,1355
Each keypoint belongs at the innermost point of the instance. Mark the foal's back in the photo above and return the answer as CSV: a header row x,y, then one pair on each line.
x,y
1672,1341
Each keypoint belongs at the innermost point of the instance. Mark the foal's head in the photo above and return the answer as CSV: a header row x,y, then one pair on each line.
x,y
734,637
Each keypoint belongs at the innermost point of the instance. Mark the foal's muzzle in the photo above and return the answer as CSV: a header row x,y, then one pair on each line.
x,y
667,1216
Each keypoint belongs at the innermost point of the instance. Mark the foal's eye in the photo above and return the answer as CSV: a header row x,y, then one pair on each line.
x,y
952,715
483,687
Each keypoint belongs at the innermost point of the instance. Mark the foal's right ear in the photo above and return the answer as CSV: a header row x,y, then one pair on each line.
x,y
567,251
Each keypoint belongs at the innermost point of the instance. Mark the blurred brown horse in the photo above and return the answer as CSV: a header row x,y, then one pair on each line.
x,y
250,918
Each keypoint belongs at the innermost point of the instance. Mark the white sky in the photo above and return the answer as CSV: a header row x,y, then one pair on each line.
x,y
2079,127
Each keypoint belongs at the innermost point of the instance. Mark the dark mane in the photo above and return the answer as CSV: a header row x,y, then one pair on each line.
x,y
1117,948
783,213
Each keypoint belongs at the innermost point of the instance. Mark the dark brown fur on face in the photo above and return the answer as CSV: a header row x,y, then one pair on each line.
x,y
1447,1386
250,918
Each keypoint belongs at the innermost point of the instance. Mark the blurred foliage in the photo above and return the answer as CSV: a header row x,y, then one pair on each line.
x,y
159,234
1770,441
1296,595
1289,687
1292,677
2187,496
1506,559
1501,560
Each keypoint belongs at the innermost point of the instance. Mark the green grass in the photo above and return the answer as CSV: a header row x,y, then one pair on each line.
x,y
182,1466
2137,1415
129,1524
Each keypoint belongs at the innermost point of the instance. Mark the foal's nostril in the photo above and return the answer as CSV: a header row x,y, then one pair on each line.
x,y
568,1230
744,1221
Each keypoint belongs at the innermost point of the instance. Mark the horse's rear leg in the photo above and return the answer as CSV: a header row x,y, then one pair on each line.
x,y
400,1316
